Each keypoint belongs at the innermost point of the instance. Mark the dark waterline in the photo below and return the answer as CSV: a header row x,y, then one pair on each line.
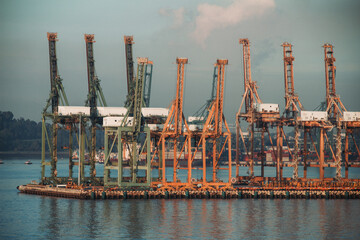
x,y
35,217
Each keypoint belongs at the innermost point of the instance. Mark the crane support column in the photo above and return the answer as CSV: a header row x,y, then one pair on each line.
x,y
305,152
262,151
321,153
296,149
338,151
347,131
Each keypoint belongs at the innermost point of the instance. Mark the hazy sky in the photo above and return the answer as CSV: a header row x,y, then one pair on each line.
x,y
165,29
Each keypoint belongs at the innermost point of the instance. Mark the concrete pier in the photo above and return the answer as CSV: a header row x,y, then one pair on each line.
x,y
238,192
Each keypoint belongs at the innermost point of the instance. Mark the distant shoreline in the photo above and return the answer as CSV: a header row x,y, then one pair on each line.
x,y
28,154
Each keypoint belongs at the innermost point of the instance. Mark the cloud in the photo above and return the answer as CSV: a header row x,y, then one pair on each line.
x,y
177,15
213,17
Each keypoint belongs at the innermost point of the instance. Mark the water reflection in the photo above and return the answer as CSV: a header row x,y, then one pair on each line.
x,y
92,224
36,217
250,217
216,223
49,215
198,218
175,227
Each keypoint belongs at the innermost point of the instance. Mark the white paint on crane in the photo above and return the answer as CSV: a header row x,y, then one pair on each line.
x,y
155,127
194,127
351,116
155,112
266,107
313,116
116,121
111,111
73,110
192,119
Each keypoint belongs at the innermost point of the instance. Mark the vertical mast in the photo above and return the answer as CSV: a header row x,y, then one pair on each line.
x,y
179,94
220,65
247,72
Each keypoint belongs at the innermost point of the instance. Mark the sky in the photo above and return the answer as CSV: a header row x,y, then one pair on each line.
x,y
163,30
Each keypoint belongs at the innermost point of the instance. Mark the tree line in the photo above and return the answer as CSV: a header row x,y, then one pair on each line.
x,y
19,134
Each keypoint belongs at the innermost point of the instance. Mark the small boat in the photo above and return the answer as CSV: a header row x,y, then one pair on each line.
x,y
1,161
28,162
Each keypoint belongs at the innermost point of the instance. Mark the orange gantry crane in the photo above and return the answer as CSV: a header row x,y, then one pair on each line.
x,y
249,98
338,115
293,105
171,132
334,116
259,117
295,116
216,132
334,106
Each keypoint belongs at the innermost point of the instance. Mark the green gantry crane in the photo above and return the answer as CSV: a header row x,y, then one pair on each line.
x,y
95,95
132,136
57,95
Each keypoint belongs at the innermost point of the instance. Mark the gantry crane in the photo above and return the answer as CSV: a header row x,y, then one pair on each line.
x,y
334,106
95,94
129,133
338,115
172,130
293,105
212,130
249,98
57,96
295,116
259,116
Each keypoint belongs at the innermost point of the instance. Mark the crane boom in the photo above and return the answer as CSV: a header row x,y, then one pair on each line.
x,y
147,83
91,101
138,99
250,87
292,102
95,93
334,105
129,61
52,37
57,92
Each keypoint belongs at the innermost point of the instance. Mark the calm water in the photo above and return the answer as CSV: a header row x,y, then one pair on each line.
x,y
35,217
